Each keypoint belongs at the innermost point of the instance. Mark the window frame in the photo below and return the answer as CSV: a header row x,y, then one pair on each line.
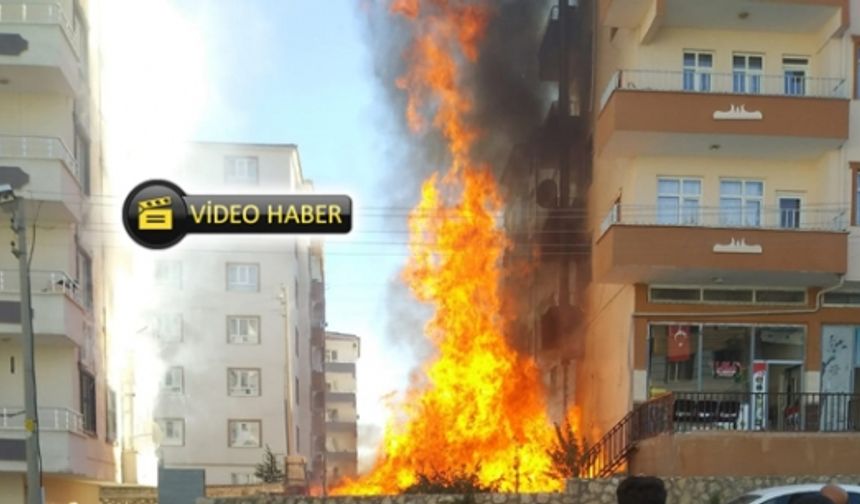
x,y
231,287
170,282
744,199
794,67
239,319
800,209
88,401
747,73
169,372
855,193
697,71
162,422
238,421
259,387
232,169
174,318
855,39
682,197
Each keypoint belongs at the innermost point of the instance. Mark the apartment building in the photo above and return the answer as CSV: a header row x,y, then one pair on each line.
x,y
229,320
48,102
722,206
341,417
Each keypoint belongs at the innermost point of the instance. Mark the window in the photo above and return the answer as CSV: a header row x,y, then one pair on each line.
x,y
728,295
789,212
243,382
168,274
746,73
697,70
331,415
172,431
856,67
297,390
243,330
244,433
855,193
842,298
174,381
241,170
331,355
243,277
110,433
296,330
243,479
296,280
678,200
298,439
88,401
794,72
82,156
85,278
673,294
741,202
168,327
780,296
725,295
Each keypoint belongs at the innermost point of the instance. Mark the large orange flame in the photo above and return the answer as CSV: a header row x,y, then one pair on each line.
x,y
482,405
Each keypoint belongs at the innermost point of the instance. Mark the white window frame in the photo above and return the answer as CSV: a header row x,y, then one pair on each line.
x,y
794,67
168,426
331,356
242,170
235,334
169,327
235,428
243,277
751,80
680,218
244,382
744,199
173,382
702,80
168,273
799,218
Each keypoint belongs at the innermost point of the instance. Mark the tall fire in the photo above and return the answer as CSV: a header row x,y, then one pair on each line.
x,y
482,406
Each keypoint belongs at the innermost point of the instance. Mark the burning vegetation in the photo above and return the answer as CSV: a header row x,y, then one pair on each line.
x,y
478,420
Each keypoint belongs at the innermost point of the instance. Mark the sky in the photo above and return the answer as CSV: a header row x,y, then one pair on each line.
x,y
299,71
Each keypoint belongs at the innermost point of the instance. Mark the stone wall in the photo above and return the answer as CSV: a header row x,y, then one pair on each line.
x,y
681,490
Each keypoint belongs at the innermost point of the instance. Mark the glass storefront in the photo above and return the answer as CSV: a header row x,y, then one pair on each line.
x,y
720,357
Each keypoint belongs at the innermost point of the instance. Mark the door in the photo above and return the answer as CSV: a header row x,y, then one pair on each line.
x,y
784,401
795,71
746,73
697,70
789,211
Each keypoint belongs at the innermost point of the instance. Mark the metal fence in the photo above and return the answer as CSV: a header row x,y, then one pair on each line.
x,y
50,419
806,218
772,412
741,82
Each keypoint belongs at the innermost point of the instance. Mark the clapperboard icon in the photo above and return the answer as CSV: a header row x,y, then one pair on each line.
x,y
155,214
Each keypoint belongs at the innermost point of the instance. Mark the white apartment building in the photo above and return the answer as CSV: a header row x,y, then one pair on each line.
x,y
47,106
341,355
228,321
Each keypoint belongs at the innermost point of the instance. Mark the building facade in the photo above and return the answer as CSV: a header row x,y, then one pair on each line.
x,y
229,322
48,105
341,415
724,263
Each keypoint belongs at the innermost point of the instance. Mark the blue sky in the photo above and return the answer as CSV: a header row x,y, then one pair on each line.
x,y
298,71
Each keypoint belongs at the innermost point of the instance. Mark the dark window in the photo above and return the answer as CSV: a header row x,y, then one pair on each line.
x,y
842,298
110,435
853,498
669,294
88,401
855,196
296,329
82,156
780,296
85,277
297,390
728,295
789,213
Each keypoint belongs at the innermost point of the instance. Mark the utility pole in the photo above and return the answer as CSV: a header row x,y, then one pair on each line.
x,y
31,424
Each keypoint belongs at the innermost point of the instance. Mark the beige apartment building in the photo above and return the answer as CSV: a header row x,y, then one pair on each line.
x,y
341,416
722,306
229,320
48,105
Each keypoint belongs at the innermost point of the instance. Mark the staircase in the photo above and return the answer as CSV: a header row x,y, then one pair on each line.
x,y
606,457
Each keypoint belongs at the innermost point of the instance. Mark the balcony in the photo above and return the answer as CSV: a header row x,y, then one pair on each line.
x,y
638,244
339,426
677,113
48,51
823,19
55,174
59,306
340,367
340,397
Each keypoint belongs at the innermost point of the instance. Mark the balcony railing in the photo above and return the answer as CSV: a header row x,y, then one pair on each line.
x,y
42,14
33,147
773,412
44,282
744,83
808,218
50,419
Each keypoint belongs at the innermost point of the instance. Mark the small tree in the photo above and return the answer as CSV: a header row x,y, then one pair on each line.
x,y
269,471
567,453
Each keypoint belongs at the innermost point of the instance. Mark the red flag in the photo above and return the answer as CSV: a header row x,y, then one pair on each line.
x,y
678,341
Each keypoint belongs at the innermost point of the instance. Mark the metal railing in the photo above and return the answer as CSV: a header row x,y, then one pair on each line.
x,y
36,147
44,282
648,419
807,218
45,14
50,419
765,411
741,83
